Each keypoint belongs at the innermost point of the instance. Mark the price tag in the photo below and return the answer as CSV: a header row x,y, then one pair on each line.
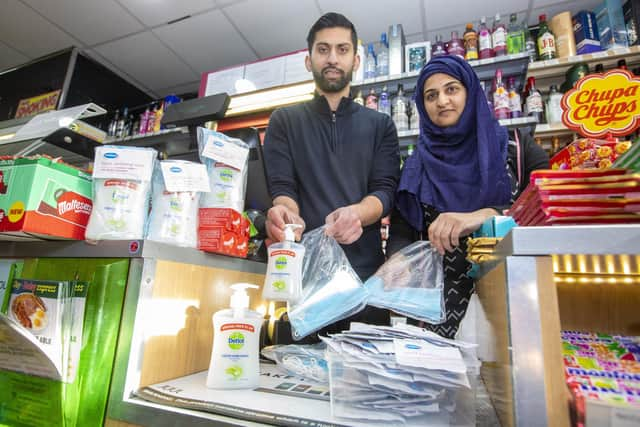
x,y
226,152
552,62
602,54
620,51
575,58
185,176
124,163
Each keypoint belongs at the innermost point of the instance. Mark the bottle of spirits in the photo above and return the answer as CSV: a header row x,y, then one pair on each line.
x,y
499,37
485,45
546,40
515,37
470,43
554,108
372,100
382,65
359,98
121,126
113,124
455,46
530,44
500,98
399,108
438,48
370,63
534,104
515,103
384,103
599,68
414,120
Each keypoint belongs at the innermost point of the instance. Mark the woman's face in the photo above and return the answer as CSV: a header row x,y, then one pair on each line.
x,y
444,99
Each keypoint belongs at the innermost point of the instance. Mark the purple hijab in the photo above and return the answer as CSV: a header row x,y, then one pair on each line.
x,y
460,168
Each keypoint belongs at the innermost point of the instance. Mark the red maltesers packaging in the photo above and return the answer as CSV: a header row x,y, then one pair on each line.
x,y
223,231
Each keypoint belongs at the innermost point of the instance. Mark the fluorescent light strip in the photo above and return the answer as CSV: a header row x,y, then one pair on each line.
x,y
241,104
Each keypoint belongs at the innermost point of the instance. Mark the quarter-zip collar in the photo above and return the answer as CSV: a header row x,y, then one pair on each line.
x,y
320,104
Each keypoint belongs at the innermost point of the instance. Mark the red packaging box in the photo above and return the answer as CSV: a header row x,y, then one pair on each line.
x,y
223,231
227,218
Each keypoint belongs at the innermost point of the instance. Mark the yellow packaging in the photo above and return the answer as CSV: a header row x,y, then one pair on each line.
x,y
562,27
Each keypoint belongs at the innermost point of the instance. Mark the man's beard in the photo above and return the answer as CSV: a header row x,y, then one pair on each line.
x,y
331,86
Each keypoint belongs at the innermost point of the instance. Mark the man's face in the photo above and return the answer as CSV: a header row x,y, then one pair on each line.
x,y
332,59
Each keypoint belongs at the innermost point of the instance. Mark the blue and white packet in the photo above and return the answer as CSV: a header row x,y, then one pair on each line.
x,y
331,289
410,283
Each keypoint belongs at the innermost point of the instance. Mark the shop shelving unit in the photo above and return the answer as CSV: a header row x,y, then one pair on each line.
x,y
550,279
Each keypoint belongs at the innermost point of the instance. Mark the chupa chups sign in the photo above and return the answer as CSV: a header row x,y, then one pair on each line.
x,y
603,104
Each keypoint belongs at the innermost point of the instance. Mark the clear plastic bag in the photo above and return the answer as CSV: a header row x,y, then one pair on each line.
x,y
228,183
174,215
307,361
411,283
331,289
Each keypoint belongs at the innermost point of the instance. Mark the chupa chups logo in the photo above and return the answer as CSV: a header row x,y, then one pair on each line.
x,y
603,104
110,155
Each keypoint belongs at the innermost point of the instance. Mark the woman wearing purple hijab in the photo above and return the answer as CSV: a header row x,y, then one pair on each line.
x,y
464,171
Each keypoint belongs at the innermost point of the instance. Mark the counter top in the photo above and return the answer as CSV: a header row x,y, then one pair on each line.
x,y
569,240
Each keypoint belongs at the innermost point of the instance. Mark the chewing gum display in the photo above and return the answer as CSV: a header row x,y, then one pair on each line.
x,y
40,197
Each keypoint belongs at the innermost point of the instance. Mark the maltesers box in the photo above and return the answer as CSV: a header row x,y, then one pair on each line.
x,y
43,198
585,31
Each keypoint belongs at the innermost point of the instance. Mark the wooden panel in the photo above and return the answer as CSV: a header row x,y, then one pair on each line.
x,y
178,325
556,392
496,372
600,307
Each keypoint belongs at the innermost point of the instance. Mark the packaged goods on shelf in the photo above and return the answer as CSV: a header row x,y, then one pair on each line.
x,y
589,153
122,190
224,231
585,32
41,197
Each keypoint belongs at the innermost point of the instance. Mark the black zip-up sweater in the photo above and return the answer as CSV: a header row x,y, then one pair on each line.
x,y
325,160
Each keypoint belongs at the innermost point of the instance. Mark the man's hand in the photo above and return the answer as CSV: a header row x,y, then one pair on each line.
x,y
344,225
446,230
277,217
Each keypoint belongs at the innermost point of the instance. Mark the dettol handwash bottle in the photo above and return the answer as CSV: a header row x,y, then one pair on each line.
x,y
236,337
283,281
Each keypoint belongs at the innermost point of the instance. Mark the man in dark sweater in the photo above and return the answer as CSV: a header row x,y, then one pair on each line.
x,y
330,160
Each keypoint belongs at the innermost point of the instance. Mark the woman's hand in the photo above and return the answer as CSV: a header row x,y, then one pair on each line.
x,y
446,230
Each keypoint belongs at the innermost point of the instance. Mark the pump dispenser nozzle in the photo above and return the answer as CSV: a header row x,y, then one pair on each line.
x,y
290,232
239,297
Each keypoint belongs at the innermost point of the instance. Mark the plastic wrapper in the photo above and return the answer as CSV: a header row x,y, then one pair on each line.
x,y
331,289
228,183
411,283
307,361
174,215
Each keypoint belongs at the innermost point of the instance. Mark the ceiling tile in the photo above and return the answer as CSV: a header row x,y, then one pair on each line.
x,y
206,42
89,21
180,89
91,53
10,58
147,60
440,13
552,10
24,30
282,27
378,17
157,12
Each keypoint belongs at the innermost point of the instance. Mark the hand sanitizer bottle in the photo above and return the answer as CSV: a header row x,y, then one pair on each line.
x,y
236,337
283,281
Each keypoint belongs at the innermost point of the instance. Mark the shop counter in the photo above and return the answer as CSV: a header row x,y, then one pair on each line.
x,y
549,279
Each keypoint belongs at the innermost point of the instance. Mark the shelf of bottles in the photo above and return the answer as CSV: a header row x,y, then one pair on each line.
x,y
508,123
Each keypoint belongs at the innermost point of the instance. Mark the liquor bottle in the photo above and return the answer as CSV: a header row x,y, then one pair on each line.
x,y
515,37
455,46
546,40
470,43
144,121
414,118
382,64
622,64
534,106
530,44
372,100
384,103
399,109
359,99
599,68
438,48
554,109
113,124
486,89
499,37
500,98
120,127
515,103
370,63
485,44
151,122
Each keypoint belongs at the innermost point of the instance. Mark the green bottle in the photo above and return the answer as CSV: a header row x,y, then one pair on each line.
x,y
546,40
